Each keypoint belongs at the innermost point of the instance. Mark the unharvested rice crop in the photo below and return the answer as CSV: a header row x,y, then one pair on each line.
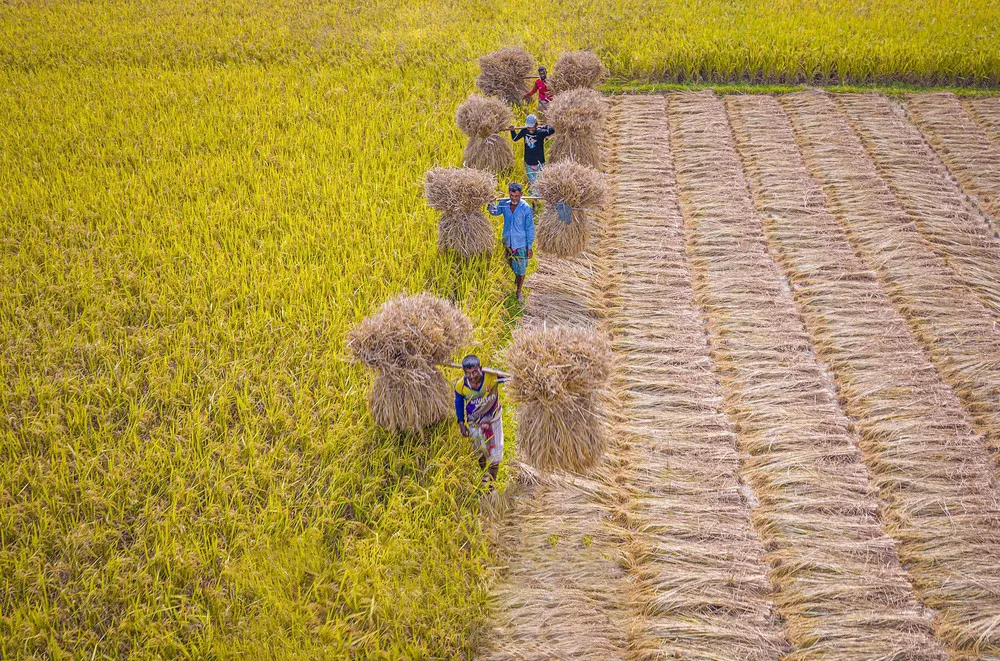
x,y
577,69
460,195
484,119
557,374
578,117
581,187
504,74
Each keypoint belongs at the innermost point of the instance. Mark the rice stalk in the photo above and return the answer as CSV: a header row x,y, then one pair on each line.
x,y
584,190
577,69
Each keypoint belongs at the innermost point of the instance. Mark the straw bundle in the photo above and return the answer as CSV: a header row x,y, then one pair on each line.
x,y
557,373
480,117
577,69
578,117
581,187
404,341
504,72
460,194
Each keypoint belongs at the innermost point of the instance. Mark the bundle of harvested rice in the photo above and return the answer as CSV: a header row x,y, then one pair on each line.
x,y
504,74
578,117
577,69
404,341
556,376
460,195
481,117
572,193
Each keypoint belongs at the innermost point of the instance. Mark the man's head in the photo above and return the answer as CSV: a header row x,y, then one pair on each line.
x,y
531,122
473,370
514,190
542,73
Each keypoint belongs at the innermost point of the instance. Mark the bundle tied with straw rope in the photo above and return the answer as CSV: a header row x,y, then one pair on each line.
x,y
577,69
403,342
581,191
556,376
504,74
578,117
460,195
481,117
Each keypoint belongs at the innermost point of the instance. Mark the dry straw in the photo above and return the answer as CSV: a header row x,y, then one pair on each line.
x,y
404,341
581,187
557,374
577,69
504,74
578,117
481,117
460,195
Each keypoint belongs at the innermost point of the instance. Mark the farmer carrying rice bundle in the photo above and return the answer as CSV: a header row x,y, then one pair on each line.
x,y
518,233
478,409
534,147
541,86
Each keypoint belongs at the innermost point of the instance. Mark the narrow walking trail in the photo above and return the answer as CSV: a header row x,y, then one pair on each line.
x,y
561,594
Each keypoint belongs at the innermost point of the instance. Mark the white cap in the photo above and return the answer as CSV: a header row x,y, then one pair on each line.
x,y
530,120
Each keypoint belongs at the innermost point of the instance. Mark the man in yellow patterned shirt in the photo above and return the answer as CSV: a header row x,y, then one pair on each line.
x,y
478,409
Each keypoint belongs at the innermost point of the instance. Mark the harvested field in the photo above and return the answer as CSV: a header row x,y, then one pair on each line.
x,y
804,401
986,112
964,147
839,584
921,452
951,323
689,518
955,226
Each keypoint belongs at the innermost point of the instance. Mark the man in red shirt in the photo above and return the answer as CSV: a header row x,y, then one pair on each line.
x,y
544,95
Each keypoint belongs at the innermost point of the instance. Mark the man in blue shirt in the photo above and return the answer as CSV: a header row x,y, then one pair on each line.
x,y
518,233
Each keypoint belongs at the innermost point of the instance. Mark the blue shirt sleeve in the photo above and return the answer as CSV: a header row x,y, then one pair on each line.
x,y
495,209
459,407
529,230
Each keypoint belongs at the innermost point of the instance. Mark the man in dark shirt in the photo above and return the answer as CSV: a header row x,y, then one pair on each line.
x,y
534,147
